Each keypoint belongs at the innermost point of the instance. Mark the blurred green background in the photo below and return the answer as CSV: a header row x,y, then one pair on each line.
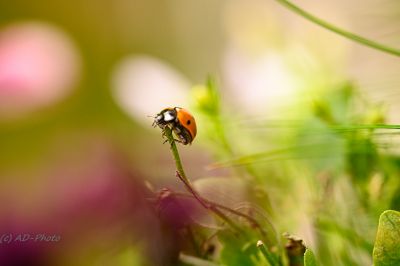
x,y
294,122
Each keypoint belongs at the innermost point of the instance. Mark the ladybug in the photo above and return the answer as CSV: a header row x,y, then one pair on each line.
x,y
180,121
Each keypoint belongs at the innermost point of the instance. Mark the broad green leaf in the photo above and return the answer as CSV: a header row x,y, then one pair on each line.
x,y
309,258
387,244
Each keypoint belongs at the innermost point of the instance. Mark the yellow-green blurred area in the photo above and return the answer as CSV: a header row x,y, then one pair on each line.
x,y
296,128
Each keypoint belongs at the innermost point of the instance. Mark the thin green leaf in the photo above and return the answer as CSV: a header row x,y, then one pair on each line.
x,y
342,32
271,258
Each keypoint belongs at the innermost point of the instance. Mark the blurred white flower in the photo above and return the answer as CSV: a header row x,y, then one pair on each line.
x,y
257,83
143,86
38,65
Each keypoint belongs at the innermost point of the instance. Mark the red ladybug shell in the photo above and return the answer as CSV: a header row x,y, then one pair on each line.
x,y
187,121
180,121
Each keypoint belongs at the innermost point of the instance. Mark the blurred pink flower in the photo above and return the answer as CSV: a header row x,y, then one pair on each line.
x,y
96,202
144,85
38,65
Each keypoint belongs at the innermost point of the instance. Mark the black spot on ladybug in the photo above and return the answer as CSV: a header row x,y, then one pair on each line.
x,y
188,122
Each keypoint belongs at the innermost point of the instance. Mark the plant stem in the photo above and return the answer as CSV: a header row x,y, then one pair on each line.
x,y
180,173
267,254
179,167
251,220
342,32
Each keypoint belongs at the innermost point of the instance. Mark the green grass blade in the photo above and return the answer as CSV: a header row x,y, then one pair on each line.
x,y
342,32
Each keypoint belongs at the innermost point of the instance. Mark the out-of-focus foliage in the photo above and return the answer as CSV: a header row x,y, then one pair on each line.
x,y
340,148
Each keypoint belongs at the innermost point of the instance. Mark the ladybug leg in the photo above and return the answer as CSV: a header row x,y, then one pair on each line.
x,y
166,140
176,140
163,131
164,136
